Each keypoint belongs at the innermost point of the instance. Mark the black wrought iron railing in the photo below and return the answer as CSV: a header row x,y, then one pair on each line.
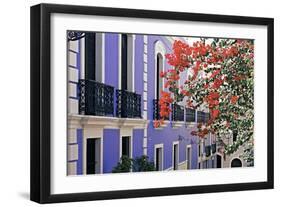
x,y
190,115
156,110
202,117
214,148
128,104
177,113
95,98
208,151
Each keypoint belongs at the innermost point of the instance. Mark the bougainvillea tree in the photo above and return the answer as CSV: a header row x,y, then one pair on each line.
x,y
219,77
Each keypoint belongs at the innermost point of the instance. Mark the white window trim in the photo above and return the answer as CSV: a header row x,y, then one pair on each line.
x,y
131,61
82,58
124,133
100,46
119,60
157,146
175,143
92,133
158,48
190,156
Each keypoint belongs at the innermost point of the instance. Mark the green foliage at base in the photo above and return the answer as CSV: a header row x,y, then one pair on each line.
x,y
139,164
142,164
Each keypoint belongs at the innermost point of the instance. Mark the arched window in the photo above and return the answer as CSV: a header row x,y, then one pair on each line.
x,y
159,80
160,51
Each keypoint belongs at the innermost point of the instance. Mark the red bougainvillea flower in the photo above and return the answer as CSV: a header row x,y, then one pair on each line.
x,y
217,83
213,99
209,72
185,92
156,123
234,99
216,72
206,86
215,113
164,104
163,74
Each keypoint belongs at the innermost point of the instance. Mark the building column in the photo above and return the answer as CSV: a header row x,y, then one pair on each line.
x,y
145,40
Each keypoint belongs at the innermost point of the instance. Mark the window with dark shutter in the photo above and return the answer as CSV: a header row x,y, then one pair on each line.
x,y
124,65
158,75
90,56
126,146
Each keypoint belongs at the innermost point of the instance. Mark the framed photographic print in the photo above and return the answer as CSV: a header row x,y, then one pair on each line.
x,y
132,103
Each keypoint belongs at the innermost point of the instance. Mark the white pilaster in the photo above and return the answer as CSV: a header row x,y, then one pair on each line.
x,y
145,80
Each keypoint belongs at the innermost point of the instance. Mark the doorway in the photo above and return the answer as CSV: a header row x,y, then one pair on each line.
x,y
93,155
236,163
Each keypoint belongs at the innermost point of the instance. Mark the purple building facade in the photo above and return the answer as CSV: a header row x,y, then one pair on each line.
x,y
114,85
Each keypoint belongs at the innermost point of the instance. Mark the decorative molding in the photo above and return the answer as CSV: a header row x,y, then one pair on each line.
x,y
79,121
177,124
162,126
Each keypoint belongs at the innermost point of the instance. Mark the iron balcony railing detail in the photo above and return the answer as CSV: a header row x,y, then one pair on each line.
x,y
128,104
95,98
156,110
190,115
202,117
177,112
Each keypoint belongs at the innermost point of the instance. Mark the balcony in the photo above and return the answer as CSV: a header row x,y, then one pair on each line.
x,y
202,117
128,104
177,113
156,110
190,115
95,98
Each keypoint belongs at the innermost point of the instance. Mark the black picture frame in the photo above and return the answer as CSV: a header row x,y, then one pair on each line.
x,y
41,102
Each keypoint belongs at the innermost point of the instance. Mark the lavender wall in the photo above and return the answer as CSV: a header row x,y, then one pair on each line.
x,y
167,136
111,59
79,134
139,65
110,149
138,141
